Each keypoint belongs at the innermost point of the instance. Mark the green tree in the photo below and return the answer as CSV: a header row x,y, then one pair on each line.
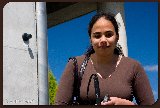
x,y
52,87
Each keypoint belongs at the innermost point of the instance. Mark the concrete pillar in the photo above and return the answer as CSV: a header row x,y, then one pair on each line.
x,y
116,8
42,41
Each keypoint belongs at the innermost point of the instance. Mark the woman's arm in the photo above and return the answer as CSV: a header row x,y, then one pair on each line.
x,y
141,87
141,90
65,87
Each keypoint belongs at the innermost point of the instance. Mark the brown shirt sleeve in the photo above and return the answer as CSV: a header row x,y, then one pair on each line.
x,y
141,87
65,87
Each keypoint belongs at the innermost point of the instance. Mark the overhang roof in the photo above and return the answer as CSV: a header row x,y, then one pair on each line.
x,y
59,12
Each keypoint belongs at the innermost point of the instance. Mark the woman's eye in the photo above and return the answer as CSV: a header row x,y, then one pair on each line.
x,y
97,36
109,34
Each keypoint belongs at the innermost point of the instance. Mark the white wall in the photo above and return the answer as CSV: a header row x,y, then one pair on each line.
x,y
20,86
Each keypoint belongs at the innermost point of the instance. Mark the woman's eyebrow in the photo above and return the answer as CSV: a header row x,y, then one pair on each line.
x,y
97,33
104,32
109,31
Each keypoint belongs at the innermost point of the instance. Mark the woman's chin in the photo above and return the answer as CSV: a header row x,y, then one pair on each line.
x,y
102,52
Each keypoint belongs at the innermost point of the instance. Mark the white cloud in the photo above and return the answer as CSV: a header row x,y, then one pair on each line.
x,y
154,92
151,68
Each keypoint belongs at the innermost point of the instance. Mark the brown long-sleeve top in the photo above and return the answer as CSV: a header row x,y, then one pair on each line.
x,y
129,79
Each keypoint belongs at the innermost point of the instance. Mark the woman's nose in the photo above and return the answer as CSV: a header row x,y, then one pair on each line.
x,y
103,40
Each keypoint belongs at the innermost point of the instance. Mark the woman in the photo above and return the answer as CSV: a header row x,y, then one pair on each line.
x,y
122,78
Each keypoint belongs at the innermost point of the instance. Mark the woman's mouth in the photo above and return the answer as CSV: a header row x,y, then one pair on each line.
x,y
104,47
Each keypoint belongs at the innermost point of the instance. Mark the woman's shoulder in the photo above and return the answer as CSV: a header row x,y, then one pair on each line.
x,y
80,57
131,61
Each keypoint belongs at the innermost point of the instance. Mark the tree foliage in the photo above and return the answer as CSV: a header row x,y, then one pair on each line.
x,y
52,87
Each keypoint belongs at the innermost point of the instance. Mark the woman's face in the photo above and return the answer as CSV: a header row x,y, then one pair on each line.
x,y
103,37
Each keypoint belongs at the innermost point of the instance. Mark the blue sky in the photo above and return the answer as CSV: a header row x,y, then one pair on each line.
x,y
141,18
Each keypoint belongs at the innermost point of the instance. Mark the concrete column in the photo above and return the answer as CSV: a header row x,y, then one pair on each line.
x,y
42,41
116,8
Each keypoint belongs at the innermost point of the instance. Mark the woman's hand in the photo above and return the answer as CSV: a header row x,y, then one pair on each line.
x,y
117,101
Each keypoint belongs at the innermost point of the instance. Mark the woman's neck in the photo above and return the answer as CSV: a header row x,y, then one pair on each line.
x,y
105,59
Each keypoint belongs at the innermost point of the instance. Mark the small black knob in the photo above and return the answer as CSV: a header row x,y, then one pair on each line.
x,y
26,36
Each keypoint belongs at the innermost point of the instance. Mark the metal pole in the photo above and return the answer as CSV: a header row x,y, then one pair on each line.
x,y
116,8
42,53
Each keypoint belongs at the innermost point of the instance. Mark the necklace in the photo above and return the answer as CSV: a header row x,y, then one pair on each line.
x,y
117,63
